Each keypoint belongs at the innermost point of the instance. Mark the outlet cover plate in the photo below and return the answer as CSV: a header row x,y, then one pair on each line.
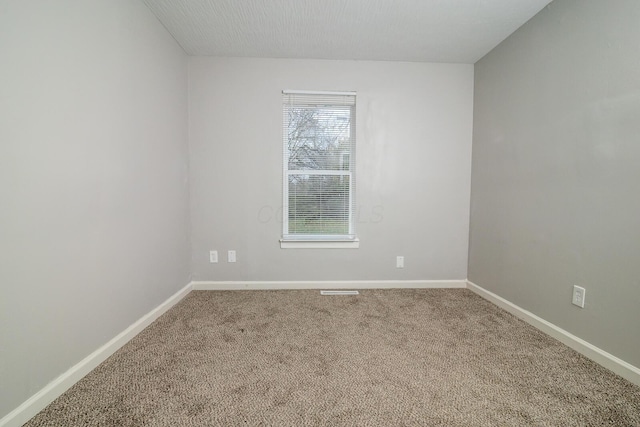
x,y
578,296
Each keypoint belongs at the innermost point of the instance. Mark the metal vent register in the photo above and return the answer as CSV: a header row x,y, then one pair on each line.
x,y
339,293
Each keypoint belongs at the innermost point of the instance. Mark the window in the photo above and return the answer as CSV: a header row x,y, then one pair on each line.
x,y
319,169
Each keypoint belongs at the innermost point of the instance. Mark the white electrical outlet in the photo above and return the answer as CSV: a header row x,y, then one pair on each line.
x,y
578,296
213,256
400,262
231,256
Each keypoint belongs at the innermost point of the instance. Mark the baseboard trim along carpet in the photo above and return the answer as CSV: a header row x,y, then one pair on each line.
x,y
609,361
57,387
54,389
334,284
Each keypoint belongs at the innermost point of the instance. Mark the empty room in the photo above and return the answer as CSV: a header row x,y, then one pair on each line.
x,y
319,213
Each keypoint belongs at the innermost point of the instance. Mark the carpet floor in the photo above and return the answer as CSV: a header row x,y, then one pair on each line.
x,y
424,357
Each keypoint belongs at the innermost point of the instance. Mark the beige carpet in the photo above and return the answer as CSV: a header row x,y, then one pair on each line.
x,y
384,358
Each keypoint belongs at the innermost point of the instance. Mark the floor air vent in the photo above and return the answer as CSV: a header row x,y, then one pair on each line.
x,y
339,293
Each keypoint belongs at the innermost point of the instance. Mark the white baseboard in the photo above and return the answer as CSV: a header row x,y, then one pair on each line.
x,y
609,361
51,391
333,284
54,389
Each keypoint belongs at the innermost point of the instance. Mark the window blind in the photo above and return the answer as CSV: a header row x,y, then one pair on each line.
x,y
319,165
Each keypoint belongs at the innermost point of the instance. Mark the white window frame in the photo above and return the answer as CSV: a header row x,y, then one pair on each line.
x,y
319,241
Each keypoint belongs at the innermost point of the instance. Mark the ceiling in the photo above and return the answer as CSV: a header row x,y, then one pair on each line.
x,y
459,31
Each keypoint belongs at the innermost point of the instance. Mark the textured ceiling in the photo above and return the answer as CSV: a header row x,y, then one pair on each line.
x,y
393,30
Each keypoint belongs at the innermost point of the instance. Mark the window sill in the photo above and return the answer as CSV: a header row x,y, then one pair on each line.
x,y
319,244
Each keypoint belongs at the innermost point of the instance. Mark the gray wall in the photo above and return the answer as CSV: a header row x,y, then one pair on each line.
x,y
556,170
414,124
93,181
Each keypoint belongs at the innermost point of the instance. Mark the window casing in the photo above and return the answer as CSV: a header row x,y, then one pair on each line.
x,y
318,169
